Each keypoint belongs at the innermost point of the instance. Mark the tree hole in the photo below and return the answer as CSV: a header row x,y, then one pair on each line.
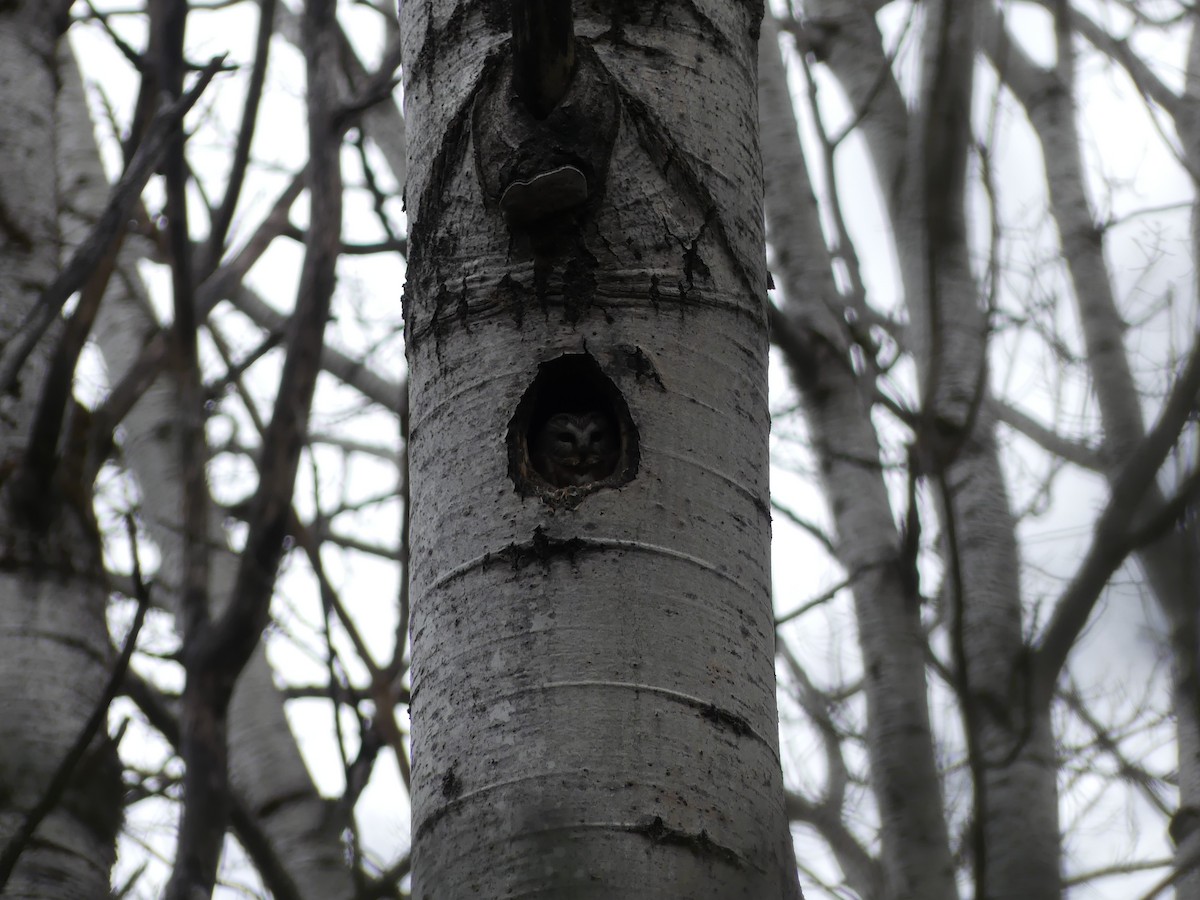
x,y
571,432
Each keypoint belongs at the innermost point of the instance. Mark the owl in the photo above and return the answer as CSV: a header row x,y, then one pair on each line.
x,y
575,448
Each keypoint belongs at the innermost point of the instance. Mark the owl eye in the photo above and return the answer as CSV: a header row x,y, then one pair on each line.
x,y
565,437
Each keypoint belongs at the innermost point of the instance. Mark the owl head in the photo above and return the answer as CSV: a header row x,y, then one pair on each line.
x,y
576,448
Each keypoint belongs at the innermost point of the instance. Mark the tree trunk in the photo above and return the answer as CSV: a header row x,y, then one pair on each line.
x,y
1048,97
904,774
54,646
593,687
1014,841
919,161
267,770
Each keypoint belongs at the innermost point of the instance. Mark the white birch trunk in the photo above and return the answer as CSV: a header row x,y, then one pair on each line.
x,y
267,772
593,688
1048,98
1014,765
54,646
904,775
1015,843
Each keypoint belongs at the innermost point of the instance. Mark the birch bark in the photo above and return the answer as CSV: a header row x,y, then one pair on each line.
x,y
1049,96
900,744
54,646
919,159
266,768
593,688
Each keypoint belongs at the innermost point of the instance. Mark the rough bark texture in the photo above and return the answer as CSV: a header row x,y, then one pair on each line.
x,y
54,648
593,688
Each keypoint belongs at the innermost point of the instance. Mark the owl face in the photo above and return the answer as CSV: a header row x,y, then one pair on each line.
x,y
573,449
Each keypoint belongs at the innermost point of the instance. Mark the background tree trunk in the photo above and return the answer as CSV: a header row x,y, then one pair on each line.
x,y
920,160
906,783
266,769
54,649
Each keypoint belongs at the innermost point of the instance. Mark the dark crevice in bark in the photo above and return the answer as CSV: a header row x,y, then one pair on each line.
x,y
699,843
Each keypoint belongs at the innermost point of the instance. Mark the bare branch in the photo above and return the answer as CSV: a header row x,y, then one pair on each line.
x,y
1082,455
1114,536
241,154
